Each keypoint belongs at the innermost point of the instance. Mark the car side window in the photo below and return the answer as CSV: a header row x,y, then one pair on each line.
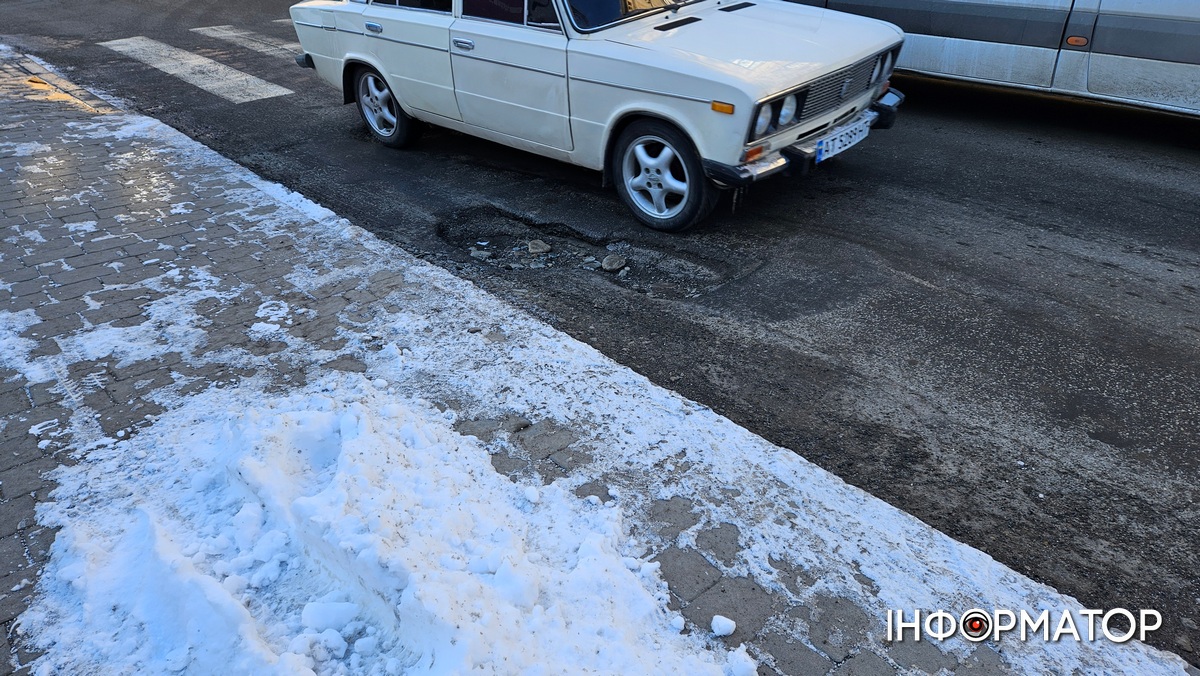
x,y
433,5
541,14
511,11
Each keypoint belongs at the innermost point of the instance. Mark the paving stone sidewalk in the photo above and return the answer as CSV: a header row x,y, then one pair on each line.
x,y
98,225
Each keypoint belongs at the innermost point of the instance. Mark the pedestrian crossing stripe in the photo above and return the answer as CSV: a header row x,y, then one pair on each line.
x,y
216,78
251,40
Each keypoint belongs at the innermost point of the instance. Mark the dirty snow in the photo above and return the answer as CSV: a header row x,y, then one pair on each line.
x,y
346,527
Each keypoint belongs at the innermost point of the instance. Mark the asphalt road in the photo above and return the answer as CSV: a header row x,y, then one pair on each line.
x,y
988,316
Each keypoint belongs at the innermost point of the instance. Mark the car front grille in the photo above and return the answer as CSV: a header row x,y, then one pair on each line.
x,y
833,90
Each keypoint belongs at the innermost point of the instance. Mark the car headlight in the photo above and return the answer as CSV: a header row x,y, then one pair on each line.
x,y
888,62
787,110
877,74
763,122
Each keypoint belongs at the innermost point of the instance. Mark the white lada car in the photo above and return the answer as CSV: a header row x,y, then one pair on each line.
x,y
673,101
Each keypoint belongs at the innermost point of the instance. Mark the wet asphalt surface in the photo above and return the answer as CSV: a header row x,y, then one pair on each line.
x,y
988,316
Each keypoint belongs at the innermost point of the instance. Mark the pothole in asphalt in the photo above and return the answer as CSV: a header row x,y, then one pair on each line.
x,y
494,237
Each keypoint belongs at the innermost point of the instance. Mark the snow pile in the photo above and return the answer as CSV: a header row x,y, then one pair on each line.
x,y
361,534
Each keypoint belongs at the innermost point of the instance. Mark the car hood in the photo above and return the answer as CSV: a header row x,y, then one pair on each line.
x,y
770,45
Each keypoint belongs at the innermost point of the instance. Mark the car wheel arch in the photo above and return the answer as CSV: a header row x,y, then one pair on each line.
x,y
621,123
350,69
659,175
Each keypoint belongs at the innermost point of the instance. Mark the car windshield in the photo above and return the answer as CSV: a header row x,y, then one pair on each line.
x,y
589,14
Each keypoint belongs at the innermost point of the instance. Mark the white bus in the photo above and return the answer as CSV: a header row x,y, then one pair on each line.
x,y
1140,52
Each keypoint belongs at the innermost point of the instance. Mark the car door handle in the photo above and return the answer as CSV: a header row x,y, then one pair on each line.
x,y
374,27
464,44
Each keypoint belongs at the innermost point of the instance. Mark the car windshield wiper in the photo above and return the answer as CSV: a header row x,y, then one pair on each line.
x,y
674,5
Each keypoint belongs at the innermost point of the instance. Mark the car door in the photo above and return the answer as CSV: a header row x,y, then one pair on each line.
x,y
1010,41
1147,50
411,40
509,59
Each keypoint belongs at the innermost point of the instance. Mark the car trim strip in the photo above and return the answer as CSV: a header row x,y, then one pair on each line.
x,y
405,42
1011,23
1148,38
685,97
344,30
509,64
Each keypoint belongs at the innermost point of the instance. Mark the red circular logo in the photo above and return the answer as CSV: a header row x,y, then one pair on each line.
x,y
976,625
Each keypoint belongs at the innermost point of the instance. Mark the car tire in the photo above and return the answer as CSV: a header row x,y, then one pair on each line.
x,y
381,112
659,176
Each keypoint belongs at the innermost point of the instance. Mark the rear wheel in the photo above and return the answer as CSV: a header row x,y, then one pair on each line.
x,y
379,109
659,176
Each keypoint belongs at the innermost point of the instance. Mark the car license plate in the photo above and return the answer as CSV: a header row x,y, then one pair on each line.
x,y
843,138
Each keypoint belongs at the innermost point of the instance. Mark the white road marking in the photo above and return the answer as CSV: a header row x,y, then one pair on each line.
x,y
252,40
282,21
229,83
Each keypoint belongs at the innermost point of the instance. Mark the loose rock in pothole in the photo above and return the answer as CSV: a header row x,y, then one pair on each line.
x,y
612,263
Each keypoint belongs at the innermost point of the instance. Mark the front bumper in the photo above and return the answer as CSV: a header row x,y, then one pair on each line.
x,y
887,106
801,155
